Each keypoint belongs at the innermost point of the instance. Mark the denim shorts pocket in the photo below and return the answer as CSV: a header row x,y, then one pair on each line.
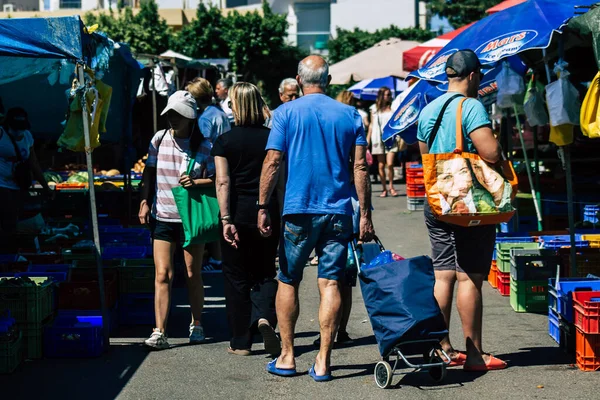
x,y
294,233
342,226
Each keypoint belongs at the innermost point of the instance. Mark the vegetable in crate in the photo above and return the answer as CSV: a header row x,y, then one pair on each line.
x,y
52,177
79,177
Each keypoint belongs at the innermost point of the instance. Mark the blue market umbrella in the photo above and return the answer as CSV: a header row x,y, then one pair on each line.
x,y
505,35
528,26
367,89
423,92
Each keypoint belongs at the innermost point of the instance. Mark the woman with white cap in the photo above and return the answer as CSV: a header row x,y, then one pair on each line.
x,y
169,156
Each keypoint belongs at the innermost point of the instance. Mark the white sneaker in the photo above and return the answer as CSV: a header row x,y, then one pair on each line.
x,y
157,340
197,334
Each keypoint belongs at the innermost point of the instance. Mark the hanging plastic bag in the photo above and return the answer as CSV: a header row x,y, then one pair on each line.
x,y
562,99
510,85
590,112
534,107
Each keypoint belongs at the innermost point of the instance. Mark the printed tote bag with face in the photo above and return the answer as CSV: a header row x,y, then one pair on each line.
x,y
462,189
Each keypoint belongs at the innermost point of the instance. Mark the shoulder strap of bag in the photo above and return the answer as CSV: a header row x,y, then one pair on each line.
x,y
14,143
460,139
438,122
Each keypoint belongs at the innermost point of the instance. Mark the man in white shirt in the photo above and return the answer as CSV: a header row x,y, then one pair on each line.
x,y
222,94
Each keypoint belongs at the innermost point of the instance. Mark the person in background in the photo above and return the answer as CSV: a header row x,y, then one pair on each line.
x,y
213,122
360,107
289,90
459,254
222,95
171,151
385,158
248,258
15,136
317,211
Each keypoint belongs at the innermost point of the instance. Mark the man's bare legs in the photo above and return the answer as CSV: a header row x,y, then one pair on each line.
x,y
329,316
469,301
444,292
288,308
346,292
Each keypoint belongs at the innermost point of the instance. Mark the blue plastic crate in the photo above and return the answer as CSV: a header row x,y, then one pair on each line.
x,y
117,252
553,326
74,337
113,316
514,239
564,303
559,244
50,268
136,309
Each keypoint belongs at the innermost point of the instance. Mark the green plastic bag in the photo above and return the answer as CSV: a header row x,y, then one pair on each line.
x,y
199,211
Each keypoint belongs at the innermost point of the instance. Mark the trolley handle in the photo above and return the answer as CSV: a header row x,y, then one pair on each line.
x,y
355,246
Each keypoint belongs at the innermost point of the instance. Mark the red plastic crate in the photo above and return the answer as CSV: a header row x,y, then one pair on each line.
x,y
586,307
503,283
493,275
415,193
587,349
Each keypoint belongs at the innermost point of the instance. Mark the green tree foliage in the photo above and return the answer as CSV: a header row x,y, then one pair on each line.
x,y
461,12
145,32
203,37
347,43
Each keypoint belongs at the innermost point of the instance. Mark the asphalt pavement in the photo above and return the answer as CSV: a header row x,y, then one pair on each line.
x,y
537,368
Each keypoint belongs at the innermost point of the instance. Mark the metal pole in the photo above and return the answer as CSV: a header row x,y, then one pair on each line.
x,y
528,168
567,158
537,172
94,213
154,116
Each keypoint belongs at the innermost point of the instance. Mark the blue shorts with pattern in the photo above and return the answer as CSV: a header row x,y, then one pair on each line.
x,y
328,235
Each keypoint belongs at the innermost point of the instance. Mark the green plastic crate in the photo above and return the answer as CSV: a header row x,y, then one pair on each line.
x,y
137,278
28,304
529,296
11,355
503,253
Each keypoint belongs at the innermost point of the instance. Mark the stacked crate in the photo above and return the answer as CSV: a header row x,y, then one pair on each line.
x,y
30,301
529,274
503,259
586,310
415,187
562,316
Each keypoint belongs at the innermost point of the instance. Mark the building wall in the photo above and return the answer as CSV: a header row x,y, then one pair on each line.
x,y
371,15
21,5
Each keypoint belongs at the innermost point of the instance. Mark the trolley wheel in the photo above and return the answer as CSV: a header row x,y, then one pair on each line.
x,y
438,374
383,374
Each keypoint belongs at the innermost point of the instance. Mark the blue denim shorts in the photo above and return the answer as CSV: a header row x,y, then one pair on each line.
x,y
328,235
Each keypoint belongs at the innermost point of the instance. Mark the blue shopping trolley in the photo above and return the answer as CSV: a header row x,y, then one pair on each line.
x,y
406,319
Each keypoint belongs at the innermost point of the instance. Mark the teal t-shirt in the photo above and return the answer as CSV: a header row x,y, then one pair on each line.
x,y
474,116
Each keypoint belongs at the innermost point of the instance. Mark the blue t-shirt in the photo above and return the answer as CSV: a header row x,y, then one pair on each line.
x,y
213,122
474,116
317,134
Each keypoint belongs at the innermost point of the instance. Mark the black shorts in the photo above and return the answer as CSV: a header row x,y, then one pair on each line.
x,y
171,232
461,249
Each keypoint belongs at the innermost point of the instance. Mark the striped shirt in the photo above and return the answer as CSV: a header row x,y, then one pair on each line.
x,y
171,157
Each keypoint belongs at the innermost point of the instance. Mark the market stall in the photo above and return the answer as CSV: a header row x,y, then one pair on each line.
x,y
63,74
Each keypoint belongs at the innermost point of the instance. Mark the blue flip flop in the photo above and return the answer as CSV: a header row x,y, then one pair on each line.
x,y
286,372
319,378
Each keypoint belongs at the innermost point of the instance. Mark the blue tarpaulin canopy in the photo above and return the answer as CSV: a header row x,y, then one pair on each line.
x,y
55,38
33,46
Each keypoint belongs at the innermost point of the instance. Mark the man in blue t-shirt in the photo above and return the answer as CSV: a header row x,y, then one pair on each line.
x,y
459,254
319,136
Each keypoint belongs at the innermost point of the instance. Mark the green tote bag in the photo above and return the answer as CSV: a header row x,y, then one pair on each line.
x,y
199,211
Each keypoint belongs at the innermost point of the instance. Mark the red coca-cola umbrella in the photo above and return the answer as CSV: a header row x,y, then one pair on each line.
x,y
417,57
504,5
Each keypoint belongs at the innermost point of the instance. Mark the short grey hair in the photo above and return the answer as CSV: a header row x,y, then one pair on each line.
x,y
226,83
313,77
288,82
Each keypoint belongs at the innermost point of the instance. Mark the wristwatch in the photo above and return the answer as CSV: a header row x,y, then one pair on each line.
x,y
262,206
